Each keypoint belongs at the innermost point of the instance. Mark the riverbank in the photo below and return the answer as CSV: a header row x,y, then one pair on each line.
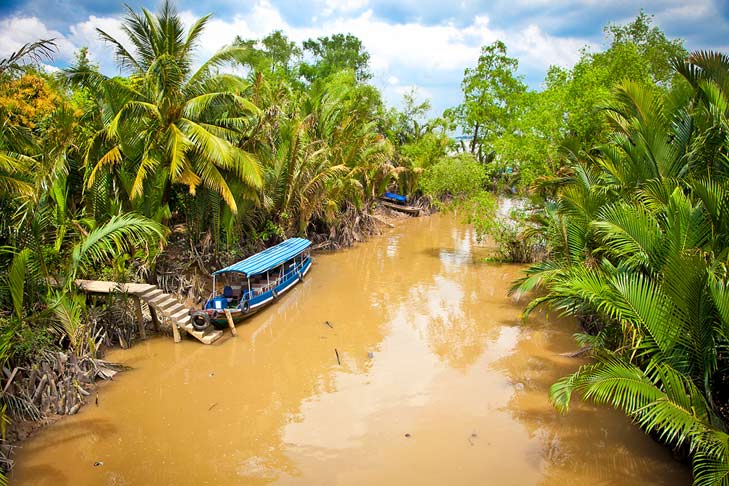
x,y
435,363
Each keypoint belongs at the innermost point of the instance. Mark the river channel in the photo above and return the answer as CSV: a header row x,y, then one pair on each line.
x,y
440,383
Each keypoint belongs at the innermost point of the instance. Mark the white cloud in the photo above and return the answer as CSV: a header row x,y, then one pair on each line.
x,y
343,6
84,34
536,49
432,57
17,31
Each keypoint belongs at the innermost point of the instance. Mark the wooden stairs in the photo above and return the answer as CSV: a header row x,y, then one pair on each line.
x,y
160,303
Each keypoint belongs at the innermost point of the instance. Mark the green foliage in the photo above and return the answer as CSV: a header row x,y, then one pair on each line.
x,y
522,134
174,126
274,55
480,211
28,342
459,177
333,54
492,100
638,243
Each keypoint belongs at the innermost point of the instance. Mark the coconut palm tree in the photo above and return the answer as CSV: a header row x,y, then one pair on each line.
x,y
169,124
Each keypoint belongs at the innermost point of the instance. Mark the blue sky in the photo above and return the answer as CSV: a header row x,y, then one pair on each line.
x,y
413,43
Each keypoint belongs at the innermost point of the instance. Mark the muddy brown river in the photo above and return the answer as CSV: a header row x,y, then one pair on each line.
x,y
440,383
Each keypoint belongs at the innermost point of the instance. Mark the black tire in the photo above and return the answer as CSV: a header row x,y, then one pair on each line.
x,y
200,320
274,294
245,307
301,277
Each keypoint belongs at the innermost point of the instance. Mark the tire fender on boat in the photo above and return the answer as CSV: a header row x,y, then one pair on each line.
x,y
200,320
301,276
275,294
245,306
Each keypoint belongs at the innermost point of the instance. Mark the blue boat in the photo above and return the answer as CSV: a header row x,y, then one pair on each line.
x,y
253,283
396,198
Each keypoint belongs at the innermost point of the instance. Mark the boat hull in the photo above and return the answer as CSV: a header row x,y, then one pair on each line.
x,y
412,210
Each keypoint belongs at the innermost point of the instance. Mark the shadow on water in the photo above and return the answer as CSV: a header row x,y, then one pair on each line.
x,y
589,445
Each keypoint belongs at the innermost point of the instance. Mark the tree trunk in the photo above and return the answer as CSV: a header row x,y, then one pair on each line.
x,y
475,137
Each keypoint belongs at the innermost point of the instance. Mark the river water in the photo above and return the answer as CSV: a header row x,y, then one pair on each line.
x,y
440,382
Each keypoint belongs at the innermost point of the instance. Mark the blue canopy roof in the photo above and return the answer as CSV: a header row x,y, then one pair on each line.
x,y
396,197
268,258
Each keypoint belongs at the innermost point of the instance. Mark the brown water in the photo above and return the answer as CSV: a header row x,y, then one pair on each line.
x,y
440,383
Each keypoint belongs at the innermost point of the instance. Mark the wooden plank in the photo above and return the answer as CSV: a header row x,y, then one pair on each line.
x,y
140,317
159,302
138,289
108,287
176,332
155,319
204,337
230,322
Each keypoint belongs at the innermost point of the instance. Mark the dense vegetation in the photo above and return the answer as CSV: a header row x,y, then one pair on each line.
x,y
635,226
624,157
637,232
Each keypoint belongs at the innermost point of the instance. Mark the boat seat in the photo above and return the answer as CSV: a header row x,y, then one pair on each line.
x,y
220,303
236,291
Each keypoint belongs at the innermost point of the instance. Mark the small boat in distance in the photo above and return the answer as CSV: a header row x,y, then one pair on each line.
x,y
395,198
399,203
253,283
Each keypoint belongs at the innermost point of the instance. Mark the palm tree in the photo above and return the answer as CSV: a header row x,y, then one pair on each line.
x,y
35,51
169,124
16,142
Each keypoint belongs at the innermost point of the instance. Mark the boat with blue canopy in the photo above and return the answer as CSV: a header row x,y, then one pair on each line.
x,y
398,202
396,198
251,284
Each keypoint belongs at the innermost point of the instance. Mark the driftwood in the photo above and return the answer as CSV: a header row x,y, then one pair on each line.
x,y
41,387
10,379
577,354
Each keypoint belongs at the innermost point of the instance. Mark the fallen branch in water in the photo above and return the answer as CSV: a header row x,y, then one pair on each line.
x,y
577,354
339,362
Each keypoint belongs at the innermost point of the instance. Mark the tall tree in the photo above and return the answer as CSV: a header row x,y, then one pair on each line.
x,y
492,93
336,53
169,124
275,55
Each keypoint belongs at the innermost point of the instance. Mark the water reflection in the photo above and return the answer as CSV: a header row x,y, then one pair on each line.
x,y
440,383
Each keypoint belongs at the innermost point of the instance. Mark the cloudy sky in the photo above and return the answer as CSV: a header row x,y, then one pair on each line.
x,y
421,43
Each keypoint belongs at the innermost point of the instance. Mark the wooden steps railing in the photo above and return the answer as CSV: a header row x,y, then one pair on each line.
x,y
159,302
